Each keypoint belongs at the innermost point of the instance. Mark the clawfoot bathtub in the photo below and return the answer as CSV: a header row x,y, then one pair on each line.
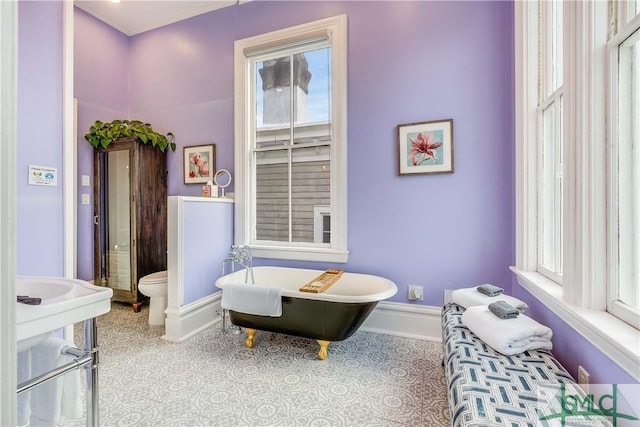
x,y
332,315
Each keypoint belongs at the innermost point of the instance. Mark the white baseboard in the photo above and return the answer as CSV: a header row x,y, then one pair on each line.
x,y
390,318
405,320
184,322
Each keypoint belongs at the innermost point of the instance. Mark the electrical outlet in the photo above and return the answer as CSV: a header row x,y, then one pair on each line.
x,y
583,378
415,293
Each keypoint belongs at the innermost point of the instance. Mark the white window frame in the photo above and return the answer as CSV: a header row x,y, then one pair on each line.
x,y
334,29
581,300
614,275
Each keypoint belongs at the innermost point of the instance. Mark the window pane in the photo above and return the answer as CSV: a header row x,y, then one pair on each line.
x,y
292,180
629,172
550,55
272,195
280,205
556,48
326,229
273,102
310,186
547,193
551,190
313,98
633,9
318,98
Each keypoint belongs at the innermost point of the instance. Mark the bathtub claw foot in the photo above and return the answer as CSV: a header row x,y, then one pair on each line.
x,y
322,354
250,334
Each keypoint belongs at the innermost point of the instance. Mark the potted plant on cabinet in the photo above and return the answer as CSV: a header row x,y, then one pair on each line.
x,y
102,134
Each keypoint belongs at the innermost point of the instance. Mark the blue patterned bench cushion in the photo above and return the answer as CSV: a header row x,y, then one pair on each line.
x,y
487,388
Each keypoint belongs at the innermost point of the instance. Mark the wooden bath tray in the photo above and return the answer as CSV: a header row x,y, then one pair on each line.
x,y
323,281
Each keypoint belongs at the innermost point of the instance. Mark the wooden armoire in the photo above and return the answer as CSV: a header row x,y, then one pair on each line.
x,y
130,216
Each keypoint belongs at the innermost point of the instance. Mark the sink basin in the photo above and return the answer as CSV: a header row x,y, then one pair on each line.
x,y
64,302
49,293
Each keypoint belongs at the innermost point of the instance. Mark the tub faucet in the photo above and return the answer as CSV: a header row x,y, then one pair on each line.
x,y
240,254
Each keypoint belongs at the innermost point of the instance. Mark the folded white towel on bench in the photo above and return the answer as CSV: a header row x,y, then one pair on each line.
x,y
507,336
252,299
469,297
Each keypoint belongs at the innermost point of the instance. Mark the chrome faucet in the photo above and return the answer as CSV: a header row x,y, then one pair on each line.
x,y
240,254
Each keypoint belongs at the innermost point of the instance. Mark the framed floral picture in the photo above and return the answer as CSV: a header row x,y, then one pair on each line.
x,y
199,163
426,147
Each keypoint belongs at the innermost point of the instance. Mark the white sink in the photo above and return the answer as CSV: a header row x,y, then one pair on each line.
x,y
64,302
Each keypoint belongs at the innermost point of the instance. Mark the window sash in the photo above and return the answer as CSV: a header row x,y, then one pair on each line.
x,y
623,284
550,136
280,213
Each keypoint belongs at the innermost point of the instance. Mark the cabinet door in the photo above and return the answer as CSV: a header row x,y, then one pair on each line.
x,y
113,229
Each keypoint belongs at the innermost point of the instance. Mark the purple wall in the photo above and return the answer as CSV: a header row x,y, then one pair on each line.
x,y
101,86
408,62
39,137
182,81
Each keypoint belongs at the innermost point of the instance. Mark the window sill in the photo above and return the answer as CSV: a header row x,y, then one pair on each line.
x,y
615,338
300,253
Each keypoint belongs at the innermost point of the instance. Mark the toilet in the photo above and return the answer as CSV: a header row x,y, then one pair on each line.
x,y
154,286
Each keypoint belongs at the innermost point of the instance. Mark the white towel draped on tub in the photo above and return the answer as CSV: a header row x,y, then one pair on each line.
x,y
252,299
56,396
468,297
507,336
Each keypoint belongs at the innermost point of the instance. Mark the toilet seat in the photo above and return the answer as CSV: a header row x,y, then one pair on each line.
x,y
157,278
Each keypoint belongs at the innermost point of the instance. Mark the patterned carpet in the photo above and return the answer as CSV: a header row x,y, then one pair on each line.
x,y
212,379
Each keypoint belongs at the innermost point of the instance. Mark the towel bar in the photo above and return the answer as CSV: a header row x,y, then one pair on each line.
x,y
83,358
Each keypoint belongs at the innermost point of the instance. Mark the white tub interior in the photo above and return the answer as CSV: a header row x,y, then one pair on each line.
x,y
350,287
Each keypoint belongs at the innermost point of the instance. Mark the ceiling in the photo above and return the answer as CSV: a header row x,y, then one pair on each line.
x,y
137,16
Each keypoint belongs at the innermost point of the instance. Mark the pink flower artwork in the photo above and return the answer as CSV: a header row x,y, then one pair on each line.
x,y
201,166
423,148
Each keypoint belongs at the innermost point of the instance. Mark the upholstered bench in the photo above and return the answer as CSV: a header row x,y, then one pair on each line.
x,y
486,388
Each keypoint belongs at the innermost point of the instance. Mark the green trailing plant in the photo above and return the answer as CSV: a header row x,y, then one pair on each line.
x,y
102,134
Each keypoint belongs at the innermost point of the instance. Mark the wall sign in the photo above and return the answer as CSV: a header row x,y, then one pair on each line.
x,y
40,175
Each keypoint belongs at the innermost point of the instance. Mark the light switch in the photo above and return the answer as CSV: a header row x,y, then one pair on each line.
x,y
86,181
85,199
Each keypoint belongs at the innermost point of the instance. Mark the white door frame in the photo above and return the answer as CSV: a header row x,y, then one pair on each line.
x,y
8,128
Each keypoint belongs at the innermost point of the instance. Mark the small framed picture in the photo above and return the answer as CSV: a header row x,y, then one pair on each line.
x,y
426,147
199,163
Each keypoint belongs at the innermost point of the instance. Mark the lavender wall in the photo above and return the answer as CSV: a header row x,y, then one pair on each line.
x,y
207,229
39,137
101,86
408,62
182,81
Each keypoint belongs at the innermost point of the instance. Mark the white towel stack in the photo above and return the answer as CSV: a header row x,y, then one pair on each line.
x,y
43,405
507,336
258,300
469,297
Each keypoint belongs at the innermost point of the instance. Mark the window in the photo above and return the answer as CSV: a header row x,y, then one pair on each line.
x,y
290,147
624,197
577,167
550,139
321,224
